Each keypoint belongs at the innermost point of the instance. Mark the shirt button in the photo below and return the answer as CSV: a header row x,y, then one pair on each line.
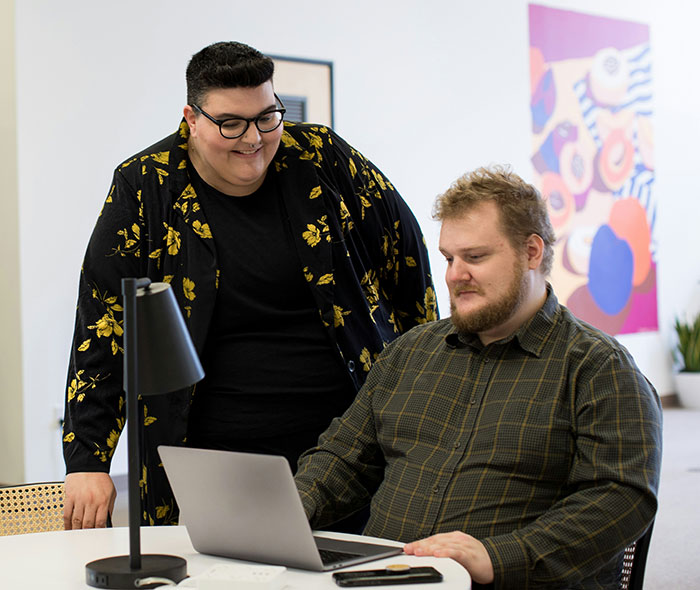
x,y
436,489
472,401
486,360
351,366
457,445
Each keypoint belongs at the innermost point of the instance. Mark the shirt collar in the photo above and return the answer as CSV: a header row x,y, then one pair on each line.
x,y
531,336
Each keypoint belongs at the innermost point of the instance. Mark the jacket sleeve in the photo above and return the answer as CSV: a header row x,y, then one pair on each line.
x,y
341,474
393,237
95,405
613,480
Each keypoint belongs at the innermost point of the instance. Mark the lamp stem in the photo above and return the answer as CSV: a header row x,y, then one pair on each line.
x,y
131,571
129,288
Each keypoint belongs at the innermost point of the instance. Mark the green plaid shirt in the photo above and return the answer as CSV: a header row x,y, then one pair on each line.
x,y
546,446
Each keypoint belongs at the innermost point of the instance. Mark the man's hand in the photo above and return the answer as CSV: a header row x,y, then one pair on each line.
x,y
465,549
89,499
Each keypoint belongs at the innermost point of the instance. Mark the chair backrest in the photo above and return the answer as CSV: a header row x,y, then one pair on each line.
x,y
635,561
31,508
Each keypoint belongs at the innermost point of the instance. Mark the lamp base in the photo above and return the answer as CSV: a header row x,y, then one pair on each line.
x,y
116,572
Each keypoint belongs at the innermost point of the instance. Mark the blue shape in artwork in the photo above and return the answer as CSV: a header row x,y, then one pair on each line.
x,y
543,101
610,272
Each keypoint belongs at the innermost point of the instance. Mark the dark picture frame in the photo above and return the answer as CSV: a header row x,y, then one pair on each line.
x,y
306,88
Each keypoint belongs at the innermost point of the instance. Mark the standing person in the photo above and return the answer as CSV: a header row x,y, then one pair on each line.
x,y
511,437
293,259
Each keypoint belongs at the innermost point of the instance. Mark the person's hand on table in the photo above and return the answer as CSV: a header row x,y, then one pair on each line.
x,y
89,500
463,548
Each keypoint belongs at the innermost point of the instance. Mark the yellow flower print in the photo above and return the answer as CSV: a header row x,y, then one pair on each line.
x,y
366,360
147,420
162,511
161,174
289,141
315,192
85,345
127,163
364,201
345,218
172,240
161,158
70,437
187,193
155,255
314,140
112,440
380,179
353,168
131,242
201,229
312,235
430,304
338,316
106,326
325,279
308,275
188,288
78,386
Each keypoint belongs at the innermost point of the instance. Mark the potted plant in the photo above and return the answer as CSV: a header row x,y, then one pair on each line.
x,y
688,355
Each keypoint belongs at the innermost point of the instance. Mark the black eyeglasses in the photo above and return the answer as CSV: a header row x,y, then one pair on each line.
x,y
236,126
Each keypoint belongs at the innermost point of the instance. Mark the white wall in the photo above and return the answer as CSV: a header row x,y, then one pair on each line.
x,y
98,81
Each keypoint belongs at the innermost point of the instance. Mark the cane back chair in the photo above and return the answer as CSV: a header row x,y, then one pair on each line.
x,y
31,508
635,561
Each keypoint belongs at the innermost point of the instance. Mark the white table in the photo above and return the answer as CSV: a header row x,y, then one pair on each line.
x,y
57,560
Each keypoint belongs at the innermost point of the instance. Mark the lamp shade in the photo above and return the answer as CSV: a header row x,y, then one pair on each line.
x,y
167,360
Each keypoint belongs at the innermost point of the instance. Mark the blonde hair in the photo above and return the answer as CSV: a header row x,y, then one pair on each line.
x,y
523,211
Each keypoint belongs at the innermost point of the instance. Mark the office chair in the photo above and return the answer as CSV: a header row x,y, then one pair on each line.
x,y
635,561
31,508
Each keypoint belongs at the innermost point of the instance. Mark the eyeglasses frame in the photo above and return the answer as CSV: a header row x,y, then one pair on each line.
x,y
219,122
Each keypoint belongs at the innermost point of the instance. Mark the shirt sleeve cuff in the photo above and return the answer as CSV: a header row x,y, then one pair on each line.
x,y
511,568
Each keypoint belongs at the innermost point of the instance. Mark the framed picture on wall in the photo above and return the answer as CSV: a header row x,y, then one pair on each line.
x,y
305,86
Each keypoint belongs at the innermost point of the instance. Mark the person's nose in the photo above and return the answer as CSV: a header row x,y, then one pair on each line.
x,y
458,272
252,135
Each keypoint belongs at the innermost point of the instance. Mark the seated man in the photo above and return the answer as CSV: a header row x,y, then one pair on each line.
x,y
519,440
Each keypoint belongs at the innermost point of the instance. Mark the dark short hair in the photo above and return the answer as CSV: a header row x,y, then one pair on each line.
x,y
523,211
227,64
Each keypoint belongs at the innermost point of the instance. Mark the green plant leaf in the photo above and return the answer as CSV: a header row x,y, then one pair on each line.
x,y
688,348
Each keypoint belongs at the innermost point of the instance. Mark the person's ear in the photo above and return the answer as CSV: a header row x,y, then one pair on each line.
x,y
534,247
191,118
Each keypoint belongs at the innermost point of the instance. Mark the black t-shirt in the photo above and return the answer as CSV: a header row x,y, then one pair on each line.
x,y
271,369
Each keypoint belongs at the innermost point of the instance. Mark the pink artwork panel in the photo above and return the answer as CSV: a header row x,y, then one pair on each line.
x,y
592,152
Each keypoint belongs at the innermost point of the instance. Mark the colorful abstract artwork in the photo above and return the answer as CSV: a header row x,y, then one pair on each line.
x,y
593,158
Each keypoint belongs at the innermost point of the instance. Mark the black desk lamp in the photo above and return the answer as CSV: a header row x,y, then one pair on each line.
x,y
159,357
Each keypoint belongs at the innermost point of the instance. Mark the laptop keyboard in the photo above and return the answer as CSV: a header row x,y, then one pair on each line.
x,y
328,556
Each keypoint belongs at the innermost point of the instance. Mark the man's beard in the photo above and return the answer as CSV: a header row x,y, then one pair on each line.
x,y
496,312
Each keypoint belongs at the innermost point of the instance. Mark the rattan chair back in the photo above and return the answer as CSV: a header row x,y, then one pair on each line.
x,y
31,508
635,561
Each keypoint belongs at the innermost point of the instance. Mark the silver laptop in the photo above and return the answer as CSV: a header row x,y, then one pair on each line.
x,y
246,506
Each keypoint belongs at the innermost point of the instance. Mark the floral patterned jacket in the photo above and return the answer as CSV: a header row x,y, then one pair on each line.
x,y
362,254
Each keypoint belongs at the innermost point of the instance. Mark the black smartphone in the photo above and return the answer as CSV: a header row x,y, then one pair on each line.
x,y
393,574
